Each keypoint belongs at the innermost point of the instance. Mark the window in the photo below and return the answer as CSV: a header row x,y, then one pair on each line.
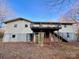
x,y
15,25
13,36
68,35
65,25
58,25
26,25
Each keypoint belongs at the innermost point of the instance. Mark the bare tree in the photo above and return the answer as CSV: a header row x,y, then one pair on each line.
x,y
5,11
73,15
57,3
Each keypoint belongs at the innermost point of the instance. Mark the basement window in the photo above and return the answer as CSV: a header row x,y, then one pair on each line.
x,y
68,35
26,25
13,36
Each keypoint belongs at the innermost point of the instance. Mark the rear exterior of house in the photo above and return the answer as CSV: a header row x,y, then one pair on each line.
x,y
23,30
67,32
17,31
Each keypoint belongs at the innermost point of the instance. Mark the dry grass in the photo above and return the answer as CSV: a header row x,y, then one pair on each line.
x,y
1,36
2,30
34,51
1,33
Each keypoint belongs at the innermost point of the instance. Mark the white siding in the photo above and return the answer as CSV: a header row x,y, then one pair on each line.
x,y
20,27
20,31
68,28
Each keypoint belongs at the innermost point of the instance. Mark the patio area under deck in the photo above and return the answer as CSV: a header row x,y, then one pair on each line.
x,y
45,32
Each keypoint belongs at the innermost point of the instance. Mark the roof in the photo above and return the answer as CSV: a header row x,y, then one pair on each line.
x,y
16,20
66,20
37,22
52,22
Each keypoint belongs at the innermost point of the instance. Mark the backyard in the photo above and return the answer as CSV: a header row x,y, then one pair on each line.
x,y
23,50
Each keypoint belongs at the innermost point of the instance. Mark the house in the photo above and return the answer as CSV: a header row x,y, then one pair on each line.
x,y
17,30
23,30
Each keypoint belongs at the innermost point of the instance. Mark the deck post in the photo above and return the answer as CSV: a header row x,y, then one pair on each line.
x,y
34,38
51,38
41,38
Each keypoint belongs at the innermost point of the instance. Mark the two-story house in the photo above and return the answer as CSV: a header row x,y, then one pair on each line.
x,y
17,30
23,30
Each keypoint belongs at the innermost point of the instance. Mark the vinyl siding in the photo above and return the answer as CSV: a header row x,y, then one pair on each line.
x,y
20,27
19,37
21,32
68,29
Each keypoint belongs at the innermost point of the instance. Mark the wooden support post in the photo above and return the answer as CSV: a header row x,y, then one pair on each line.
x,y
34,38
41,38
52,37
